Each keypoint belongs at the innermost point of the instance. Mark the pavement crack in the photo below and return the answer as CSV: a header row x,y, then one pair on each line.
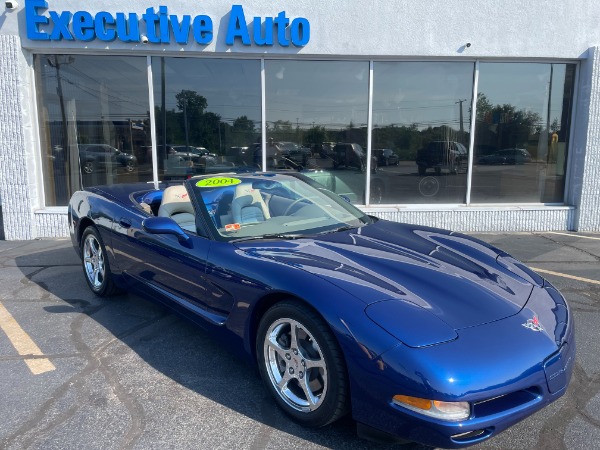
x,y
46,418
565,244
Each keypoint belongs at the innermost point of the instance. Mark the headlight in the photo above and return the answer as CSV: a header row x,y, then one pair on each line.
x,y
453,411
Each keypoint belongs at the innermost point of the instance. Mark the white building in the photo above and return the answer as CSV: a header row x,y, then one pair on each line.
x,y
469,115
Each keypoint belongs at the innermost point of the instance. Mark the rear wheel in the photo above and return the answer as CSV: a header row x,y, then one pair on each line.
x,y
301,364
95,264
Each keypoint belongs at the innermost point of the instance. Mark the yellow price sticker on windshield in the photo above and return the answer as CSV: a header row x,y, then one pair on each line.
x,y
218,182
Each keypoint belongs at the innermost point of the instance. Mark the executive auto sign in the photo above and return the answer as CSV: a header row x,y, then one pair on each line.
x,y
160,27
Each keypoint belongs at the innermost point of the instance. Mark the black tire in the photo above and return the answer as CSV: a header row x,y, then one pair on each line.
x,y
130,166
88,167
313,396
94,261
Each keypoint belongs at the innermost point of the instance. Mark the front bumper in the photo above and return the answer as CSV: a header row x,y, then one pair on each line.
x,y
504,369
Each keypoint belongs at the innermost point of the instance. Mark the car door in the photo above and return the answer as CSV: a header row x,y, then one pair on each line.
x,y
165,267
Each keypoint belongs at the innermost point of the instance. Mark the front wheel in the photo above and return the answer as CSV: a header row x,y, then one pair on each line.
x,y
95,264
301,364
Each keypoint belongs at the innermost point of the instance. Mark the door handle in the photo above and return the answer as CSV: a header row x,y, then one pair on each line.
x,y
125,223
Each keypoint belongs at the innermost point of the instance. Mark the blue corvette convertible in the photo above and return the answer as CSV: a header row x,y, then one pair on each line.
x,y
420,333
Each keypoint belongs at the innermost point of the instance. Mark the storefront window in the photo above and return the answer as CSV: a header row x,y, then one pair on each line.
x,y
208,115
522,129
317,121
94,122
421,130
95,125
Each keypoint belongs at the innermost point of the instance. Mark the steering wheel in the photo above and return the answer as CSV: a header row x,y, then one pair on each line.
x,y
294,203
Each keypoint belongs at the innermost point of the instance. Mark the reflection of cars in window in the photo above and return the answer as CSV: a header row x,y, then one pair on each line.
x,y
295,152
386,157
326,149
442,155
278,158
103,156
506,156
347,156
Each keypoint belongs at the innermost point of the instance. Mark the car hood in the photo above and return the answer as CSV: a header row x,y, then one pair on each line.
x,y
455,277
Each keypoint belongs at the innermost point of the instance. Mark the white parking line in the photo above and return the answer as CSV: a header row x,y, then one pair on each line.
x,y
564,275
23,343
572,235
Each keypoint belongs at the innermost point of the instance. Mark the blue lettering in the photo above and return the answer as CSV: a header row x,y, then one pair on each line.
x,y
258,35
159,26
181,31
34,20
61,26
203,29
83,26
237,26
282,23
163,22
300,32
105,34
133,35
150,18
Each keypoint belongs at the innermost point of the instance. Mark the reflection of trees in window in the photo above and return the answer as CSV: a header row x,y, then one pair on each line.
x,y
193,126
504,126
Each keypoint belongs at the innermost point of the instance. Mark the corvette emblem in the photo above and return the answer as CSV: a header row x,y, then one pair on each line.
x,y
534,324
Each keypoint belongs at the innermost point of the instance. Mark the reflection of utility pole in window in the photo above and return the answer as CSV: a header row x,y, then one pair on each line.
x,y
70,155
185,125
462,123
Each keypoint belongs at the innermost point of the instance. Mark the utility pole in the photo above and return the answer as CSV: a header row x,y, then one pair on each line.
x,y
462,124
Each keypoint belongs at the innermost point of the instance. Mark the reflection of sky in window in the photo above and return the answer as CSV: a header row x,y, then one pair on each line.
x,y
422,93
328,93
332,94
231,87
524,85
104,87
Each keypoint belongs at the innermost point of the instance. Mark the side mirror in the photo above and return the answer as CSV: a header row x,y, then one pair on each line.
x,y
165,225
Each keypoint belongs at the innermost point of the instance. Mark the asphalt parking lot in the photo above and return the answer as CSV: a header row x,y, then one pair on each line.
x,y
125,373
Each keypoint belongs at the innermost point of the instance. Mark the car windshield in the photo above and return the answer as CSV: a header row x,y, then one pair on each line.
x,y
272,205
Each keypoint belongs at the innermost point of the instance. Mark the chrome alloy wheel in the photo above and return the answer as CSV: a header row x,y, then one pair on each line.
x,y
295,365
93,261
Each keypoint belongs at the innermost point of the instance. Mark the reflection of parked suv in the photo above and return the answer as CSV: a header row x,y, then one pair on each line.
x,y
351,156
293,151
95,156
448,155
386,157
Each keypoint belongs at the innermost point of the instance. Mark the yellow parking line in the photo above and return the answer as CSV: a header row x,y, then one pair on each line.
x,y
23,343
572,235
564,275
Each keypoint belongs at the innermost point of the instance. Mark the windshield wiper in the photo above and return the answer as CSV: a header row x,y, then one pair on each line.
x,y
269,236
344,228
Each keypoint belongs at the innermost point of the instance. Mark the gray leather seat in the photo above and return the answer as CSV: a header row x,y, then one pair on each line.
x,y
248,205
177,205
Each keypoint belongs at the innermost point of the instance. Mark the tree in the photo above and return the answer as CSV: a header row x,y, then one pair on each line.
x,y
243,132
191,102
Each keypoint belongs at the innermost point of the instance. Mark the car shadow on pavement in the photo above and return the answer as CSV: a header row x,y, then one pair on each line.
x,y
167,373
